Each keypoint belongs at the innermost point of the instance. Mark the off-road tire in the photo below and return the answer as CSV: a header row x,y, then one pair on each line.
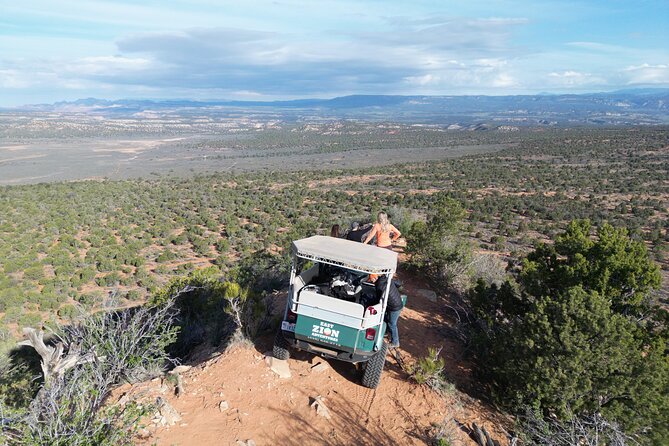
x,y
280,349
374,368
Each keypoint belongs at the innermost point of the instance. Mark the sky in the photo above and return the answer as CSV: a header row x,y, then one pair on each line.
x,y
267,50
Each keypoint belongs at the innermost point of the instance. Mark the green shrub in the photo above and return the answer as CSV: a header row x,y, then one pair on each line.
x,y
222,245
12,314
128,280
165,256
184,267
429,371
89,300
134,295
67,311
437,248
402,218
578,332
211,309
201,247
35,272
162,269
17,384
30,320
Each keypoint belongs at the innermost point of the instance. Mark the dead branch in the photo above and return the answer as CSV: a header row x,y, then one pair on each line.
x,y
54,365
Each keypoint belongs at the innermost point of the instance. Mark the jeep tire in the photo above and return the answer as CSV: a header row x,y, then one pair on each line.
x,y
374,368
280,349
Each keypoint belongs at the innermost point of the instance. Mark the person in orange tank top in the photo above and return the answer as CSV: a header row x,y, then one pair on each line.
x,y
384,231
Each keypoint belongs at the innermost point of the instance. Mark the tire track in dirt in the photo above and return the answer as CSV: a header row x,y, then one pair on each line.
x,y
364,398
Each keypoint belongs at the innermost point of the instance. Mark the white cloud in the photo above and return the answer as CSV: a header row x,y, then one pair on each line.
x,y
286,50
647,74
491,64
427,79
13,79
246,94
504,80
597,46
107,65
572,78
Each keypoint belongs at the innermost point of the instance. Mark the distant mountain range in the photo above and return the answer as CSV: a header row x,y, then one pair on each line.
x,y
636,106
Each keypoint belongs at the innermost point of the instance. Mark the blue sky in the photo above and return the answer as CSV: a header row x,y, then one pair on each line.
x,y
213,49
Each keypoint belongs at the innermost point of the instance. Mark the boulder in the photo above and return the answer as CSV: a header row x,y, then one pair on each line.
x,y
166,415
278,366
180,369
428,294
321,409
320,367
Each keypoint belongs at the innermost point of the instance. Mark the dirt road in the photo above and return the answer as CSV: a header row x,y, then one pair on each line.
x,y
274,411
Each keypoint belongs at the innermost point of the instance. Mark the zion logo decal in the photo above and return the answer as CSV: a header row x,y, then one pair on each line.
x,y
325,332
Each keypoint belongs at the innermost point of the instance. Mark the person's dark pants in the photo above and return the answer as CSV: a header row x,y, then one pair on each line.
x,y
392,317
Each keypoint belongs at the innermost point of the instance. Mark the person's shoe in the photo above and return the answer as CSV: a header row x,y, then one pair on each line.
x,y
394,345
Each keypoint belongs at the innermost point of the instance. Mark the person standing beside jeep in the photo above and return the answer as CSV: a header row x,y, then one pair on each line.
x,y
384,231
393,307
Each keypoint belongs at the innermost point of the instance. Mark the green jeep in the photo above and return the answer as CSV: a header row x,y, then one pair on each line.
x,y
332,309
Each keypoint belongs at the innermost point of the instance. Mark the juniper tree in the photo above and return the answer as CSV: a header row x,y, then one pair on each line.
x,y
579,332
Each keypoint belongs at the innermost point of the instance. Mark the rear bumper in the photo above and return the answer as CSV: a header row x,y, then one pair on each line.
x,y
327,351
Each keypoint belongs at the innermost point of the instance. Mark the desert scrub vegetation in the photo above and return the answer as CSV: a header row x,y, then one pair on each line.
x,y
213,312
84,361
429,371
70,245
62,241
438,248
585,429
80,365
577,331
443,433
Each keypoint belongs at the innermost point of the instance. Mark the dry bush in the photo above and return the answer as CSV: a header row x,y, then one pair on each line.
x,y
443,433
402,218
583,430
99,352
465,268
489,268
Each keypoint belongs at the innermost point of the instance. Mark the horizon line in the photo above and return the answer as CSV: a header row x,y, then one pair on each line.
x,y
315,98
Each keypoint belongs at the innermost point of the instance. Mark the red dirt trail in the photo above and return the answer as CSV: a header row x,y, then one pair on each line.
x,y
273,411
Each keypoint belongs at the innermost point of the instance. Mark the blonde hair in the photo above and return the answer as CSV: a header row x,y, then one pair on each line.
x,y
382,218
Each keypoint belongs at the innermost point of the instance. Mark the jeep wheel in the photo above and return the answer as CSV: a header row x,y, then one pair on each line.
x,y
374,367
280,350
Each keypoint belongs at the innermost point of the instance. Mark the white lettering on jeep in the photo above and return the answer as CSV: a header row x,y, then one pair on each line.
x,y
325,332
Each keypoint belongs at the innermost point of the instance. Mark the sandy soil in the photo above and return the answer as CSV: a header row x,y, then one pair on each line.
x,y
346,180
59,159
271,410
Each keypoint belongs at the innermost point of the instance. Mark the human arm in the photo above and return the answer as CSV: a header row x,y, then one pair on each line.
x,y
371,235
396,233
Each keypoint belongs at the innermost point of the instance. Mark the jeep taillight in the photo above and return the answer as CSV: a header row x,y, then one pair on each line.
x,y
371,310
370,334
291,317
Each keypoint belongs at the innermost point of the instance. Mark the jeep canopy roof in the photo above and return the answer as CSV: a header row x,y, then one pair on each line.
x,y
346,253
